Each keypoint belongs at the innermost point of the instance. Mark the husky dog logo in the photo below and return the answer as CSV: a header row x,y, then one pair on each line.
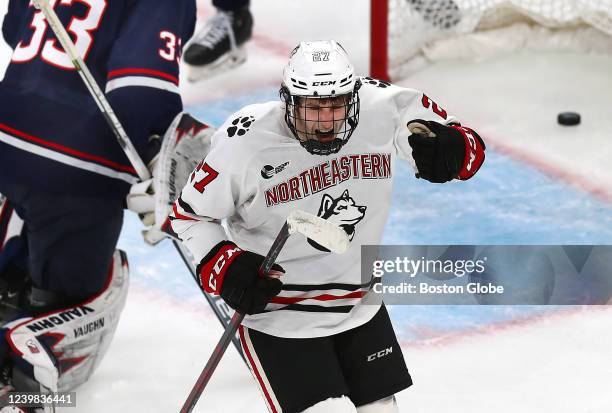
x,y
342,212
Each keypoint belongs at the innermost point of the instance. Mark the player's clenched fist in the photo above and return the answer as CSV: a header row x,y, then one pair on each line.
x,y
443,153
233,273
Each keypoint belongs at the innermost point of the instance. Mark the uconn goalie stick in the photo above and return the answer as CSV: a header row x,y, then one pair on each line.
x,y
219,307
319,230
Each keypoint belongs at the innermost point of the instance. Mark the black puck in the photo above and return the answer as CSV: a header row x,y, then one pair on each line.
x,y
568,118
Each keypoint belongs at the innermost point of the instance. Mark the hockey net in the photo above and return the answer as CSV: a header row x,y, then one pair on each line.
x,y
406,35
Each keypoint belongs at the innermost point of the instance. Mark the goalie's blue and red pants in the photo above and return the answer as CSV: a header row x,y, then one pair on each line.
x,y
66,245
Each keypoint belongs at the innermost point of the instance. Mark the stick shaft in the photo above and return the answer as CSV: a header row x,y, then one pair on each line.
x,y
231,329
94,89
221,310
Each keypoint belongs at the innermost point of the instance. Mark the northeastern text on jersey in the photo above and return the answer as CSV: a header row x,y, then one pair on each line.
x,y
328,174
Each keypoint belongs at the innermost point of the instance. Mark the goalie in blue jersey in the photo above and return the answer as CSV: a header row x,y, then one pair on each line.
x,y
65,178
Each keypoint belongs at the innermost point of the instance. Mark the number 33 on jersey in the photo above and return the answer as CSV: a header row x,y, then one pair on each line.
x,y
131,47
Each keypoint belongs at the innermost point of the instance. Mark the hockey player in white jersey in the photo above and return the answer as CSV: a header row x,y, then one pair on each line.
x,y
314,338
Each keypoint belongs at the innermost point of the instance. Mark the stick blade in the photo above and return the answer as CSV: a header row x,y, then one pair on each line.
x,y
323,232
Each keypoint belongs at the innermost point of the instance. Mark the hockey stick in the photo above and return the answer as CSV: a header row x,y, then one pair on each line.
x,y
220,308
123,139
319,230
94,89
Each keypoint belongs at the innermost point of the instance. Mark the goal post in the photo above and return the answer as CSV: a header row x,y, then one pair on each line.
x,y
408,34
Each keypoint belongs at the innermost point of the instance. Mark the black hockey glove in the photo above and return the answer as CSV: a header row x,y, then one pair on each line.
x,y
233,273
443,153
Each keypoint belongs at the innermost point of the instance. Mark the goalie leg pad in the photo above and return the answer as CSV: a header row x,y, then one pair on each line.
x,y
60,350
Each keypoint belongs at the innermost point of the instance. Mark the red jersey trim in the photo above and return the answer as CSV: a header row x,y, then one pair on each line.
x,y
322,297
68,151
142,71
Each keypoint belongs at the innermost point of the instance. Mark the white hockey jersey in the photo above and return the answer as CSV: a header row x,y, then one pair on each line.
x,y
257,173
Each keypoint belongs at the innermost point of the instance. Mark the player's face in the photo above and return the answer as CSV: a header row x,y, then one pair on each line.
x,y
320,118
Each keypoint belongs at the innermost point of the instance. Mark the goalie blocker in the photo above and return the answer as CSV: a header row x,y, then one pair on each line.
x,y
186,142
60,350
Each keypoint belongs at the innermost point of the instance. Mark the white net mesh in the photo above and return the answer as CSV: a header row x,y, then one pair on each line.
x,y
424,30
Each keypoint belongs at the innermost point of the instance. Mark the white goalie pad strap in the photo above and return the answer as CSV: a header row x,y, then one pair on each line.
x,y
77,336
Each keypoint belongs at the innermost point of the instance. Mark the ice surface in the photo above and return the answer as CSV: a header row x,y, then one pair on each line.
x,y
541,183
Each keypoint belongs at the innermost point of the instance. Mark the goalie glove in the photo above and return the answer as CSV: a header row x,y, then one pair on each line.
x,y
233,273
186,142
445,152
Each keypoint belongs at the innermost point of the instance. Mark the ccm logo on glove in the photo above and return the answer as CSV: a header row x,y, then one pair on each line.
x,y
233,273
213,272
474,152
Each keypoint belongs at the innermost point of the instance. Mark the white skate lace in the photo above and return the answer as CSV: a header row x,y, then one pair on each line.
x,y
215,29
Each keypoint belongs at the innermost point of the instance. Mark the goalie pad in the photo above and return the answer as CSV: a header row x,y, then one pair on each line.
x,y
185,143
60,350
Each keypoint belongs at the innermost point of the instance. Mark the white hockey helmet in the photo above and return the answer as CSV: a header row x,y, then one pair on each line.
x,y
320,70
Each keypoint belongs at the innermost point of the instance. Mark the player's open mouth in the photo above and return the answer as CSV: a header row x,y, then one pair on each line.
x,y
325,137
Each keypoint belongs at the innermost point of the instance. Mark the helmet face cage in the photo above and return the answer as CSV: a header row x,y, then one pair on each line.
x,y
303,117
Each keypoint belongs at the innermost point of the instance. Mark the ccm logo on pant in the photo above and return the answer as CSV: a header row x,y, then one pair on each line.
x,y
379,354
